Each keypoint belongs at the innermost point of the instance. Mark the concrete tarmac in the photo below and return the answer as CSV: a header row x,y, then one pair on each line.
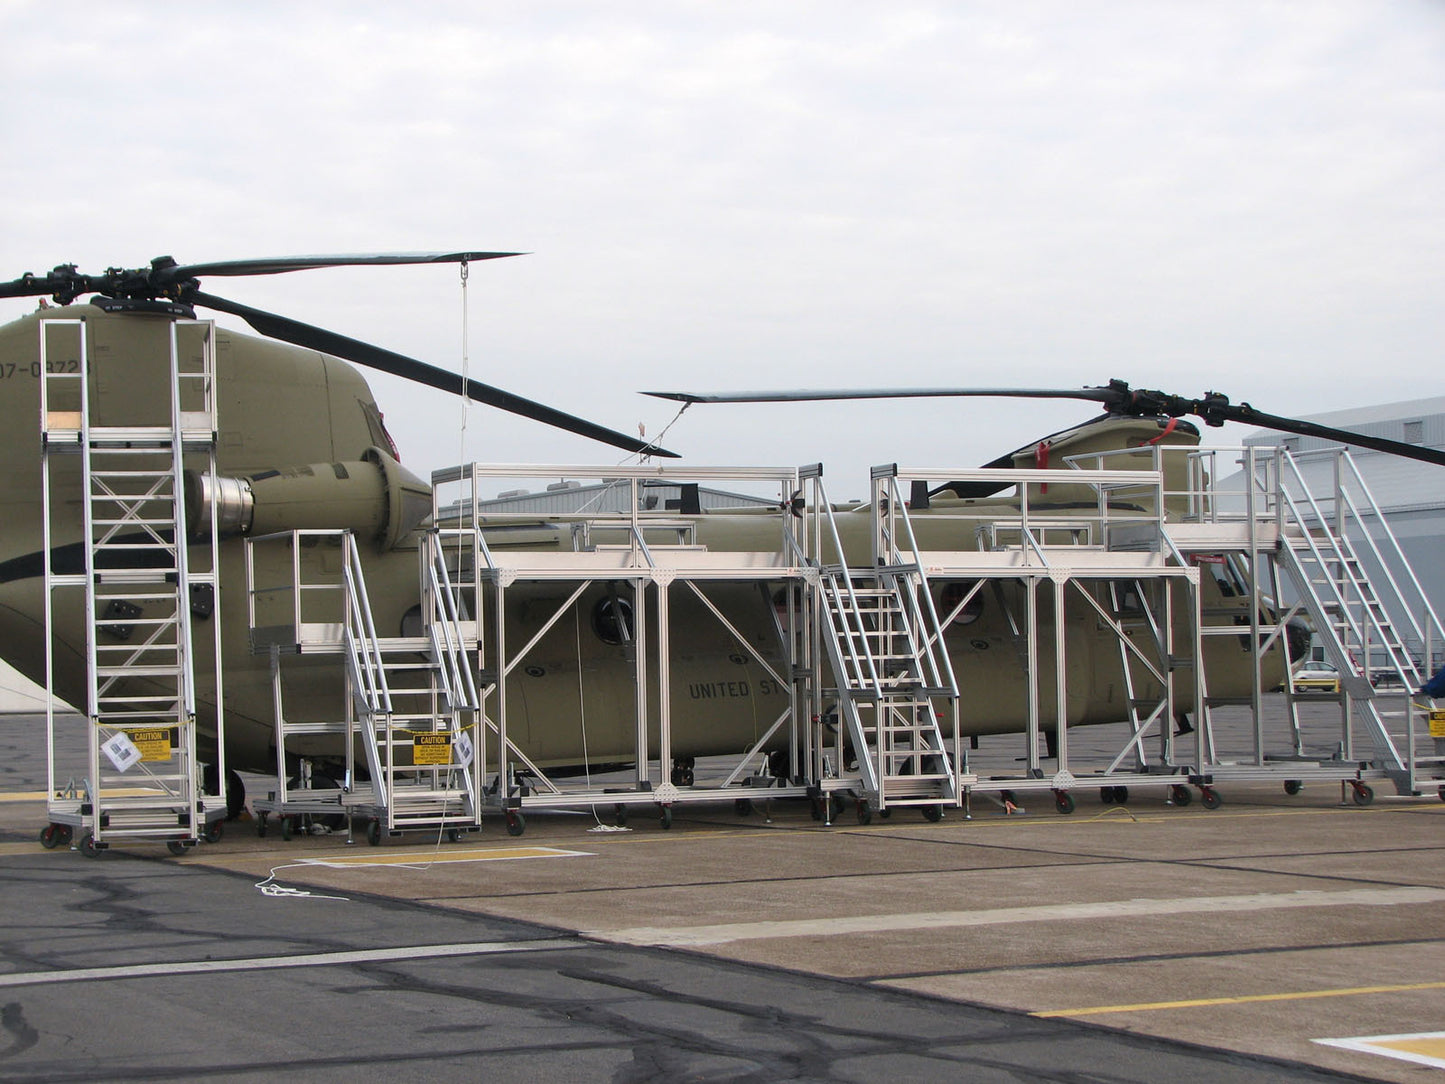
x,y
1138,942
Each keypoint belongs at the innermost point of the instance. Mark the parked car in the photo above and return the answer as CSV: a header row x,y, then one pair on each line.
x,y
1316,677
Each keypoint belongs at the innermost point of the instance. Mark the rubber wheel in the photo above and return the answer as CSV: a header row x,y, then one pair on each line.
x,y
619,815
288,827
1293,787
1180,795
88,847
744,807
261,825
1364,793
835,807
214,831
454,835
1064,802
1106,795
1442,794
1121,795
666,817
816,806
933,813
50,836
865,813
1210,798
176,847
373,832
516,824
66,833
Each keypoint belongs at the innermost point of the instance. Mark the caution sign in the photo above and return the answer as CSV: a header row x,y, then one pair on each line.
x,y
1437,723
154,744
431,750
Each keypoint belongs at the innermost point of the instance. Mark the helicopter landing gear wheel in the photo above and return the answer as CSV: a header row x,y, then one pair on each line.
x,y
1364,794
1180,795
1209,798
1063,802
1293,787
516,823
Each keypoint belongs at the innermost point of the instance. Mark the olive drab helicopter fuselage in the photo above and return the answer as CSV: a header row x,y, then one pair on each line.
x,y
305,432
300,435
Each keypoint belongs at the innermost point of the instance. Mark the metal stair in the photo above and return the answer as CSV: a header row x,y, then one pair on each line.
x,y
1368,610
885,646
414,702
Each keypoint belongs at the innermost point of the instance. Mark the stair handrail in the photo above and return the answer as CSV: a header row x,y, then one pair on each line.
x,y
361,639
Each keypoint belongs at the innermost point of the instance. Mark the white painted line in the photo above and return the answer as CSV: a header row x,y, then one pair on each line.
x,y
413,859
271,963
686,936
1422,1048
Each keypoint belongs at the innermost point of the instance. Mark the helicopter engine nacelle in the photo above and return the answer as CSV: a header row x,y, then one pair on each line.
x,y
375,497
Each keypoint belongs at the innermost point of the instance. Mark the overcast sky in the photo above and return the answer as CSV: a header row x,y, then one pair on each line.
x,y
1243,197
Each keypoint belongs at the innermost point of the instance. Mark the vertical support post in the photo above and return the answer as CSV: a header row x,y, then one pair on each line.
x,y
1061,676
639,675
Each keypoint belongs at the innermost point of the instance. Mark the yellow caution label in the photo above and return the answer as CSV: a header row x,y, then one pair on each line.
x,y
1437,723
154,744
431,749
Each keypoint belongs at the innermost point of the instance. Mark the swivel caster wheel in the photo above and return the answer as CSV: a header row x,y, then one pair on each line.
x,y
1293,787
1063,802
933,813
516,823
373,832
176,847
666,817
1209,798
1364,793
1180,795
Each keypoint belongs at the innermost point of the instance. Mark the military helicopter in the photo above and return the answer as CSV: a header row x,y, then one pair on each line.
x,y
302,435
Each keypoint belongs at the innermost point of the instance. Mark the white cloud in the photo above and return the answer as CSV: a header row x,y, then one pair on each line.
x,y
1188,196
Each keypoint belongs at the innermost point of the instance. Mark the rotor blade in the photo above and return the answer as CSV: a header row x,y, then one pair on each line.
x,y
1247,415
374,357
808,395
280,264
45,285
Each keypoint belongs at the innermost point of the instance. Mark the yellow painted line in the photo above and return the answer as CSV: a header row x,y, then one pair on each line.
x,y
437,858
1422,1048
1243,999
22,848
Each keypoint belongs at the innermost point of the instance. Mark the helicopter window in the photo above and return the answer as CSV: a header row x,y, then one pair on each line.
x,y
612,620
953,594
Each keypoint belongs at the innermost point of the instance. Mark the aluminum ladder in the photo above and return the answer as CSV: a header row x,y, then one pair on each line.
x,y
137,588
